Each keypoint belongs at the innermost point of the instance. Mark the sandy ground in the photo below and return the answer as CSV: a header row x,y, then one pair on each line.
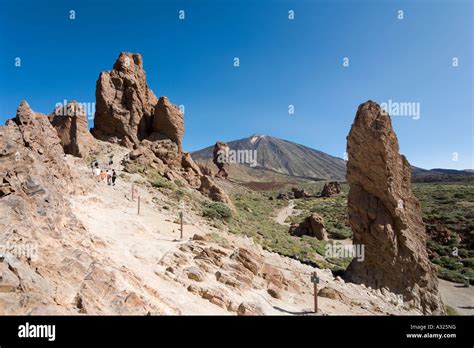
x,y
457,296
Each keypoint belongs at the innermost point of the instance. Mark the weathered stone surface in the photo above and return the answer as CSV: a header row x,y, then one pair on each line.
x,y
330,189
274,292
169,121
70,122
35,182
333,294
209,188
249,308
312,226
248,259
194,273
273,276
205,169
124,102
385,216
220,159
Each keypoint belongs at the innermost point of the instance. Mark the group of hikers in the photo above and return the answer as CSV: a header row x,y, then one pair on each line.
x,y
108,175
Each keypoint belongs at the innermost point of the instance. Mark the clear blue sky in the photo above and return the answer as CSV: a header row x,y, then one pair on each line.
x,y
283,62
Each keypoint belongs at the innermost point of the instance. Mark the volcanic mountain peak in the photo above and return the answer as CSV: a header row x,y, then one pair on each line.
x,y
285,157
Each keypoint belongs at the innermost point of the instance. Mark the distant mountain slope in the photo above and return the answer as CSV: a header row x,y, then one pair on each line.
x,y
441,175
286,157
280,159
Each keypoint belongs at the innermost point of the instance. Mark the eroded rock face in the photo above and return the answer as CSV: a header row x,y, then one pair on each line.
x,y
384,215
34,183
205,169
124,102
213,191
220,156
330,189
169,121
70,122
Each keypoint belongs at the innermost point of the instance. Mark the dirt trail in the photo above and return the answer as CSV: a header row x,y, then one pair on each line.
x,y
285,212
131,246
457,296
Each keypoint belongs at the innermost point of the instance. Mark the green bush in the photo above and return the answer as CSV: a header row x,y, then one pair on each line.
x,y
468,262
217,210
160,182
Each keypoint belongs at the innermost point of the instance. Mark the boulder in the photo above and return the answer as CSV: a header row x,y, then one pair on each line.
x,y
385,216
330,189
312,226
333,294
300,193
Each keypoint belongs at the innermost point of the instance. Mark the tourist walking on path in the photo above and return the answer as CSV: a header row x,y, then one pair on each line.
x,y
97,173
102,175
114,177
109,177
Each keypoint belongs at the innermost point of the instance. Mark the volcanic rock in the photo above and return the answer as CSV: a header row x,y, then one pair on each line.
x,y
249,308
333,294
205,169
285,196
35,181
129,113
385,216
124,102
220,159
312,226
70,122
169,121
330,189
300,193
213,191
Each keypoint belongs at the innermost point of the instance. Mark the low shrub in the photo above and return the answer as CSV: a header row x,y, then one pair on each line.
x,y
217,210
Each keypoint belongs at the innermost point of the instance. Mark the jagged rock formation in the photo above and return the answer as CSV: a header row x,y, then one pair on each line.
x,y
205,169
384,215
129,113
216,193
330,189
70,122
34,181
124,102
168,120
220,155
312,226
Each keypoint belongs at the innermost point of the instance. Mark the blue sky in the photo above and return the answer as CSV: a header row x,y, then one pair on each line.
x,y
282,62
